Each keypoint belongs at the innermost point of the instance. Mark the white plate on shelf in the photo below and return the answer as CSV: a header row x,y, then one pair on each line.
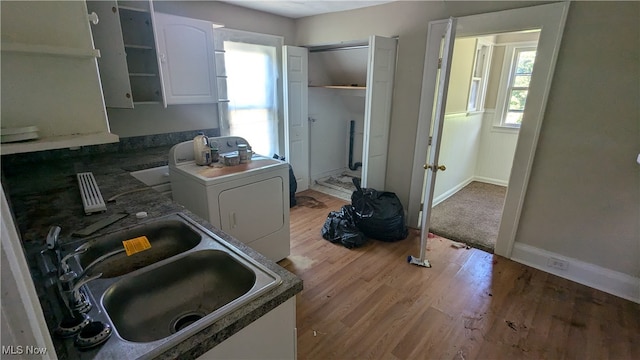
x,y
8,135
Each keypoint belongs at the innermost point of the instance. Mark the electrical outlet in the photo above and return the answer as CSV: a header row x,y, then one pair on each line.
x,y
558,264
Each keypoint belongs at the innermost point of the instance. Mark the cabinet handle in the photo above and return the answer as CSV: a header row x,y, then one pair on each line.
x,y
93,18
232,220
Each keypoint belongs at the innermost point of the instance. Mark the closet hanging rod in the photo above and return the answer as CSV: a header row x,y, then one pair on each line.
x,y
337,48
345,45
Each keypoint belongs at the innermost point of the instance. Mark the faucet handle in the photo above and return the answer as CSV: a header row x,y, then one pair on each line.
x,y
63,263
86,280
52,237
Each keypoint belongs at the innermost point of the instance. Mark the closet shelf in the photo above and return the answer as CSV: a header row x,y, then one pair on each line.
x,y
49,50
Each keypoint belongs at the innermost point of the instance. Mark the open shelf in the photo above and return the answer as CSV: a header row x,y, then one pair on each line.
x,y
49,50
58,142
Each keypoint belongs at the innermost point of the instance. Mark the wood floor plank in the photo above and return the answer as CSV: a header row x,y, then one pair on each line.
x,y
369,303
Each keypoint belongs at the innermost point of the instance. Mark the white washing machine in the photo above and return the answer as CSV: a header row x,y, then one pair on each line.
x,y
249,201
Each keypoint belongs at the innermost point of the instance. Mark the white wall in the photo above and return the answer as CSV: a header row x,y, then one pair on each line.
x,y
583,195
496,151
458,152
339,67
154,119
332,109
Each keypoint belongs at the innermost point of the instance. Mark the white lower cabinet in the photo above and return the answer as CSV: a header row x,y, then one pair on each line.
x,y
273,336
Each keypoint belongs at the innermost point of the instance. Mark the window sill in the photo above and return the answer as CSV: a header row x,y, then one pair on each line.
x,y
505,129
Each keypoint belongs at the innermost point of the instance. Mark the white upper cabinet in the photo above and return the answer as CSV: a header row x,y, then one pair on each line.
x,y
50,78
187,58
129,67
150,57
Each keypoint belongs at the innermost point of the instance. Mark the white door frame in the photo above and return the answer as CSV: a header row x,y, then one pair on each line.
x,y
550,19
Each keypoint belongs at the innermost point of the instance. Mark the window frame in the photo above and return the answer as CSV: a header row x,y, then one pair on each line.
x,y
506,78
241,36
483,79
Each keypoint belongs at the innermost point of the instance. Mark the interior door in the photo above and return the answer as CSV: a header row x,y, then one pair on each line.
x,y
377,113
432,167
296,99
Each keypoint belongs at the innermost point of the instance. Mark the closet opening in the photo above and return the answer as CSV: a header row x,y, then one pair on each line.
x,y
337,88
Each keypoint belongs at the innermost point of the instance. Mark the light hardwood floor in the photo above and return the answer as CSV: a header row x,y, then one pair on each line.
x,y
369,303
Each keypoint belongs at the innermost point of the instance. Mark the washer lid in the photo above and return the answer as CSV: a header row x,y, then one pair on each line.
x,y
219,172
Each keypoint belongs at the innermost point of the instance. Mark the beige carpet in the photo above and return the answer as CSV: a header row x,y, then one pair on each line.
x,y
472,215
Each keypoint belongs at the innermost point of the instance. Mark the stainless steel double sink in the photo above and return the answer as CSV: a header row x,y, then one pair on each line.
x,y
188,279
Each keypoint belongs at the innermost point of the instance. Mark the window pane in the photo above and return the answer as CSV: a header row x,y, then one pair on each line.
x,y
522,81
473,95
252,91
513,118
525,62
518,99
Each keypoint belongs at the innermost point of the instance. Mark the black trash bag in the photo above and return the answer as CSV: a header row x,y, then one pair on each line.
x,y
340,227
293,187
378,214
293,184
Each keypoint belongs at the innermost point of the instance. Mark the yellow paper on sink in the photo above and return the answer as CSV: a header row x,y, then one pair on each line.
x,y
136,245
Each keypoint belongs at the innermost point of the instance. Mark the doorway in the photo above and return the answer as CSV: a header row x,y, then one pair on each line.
x,y
337,88
379,70
487,93
550,18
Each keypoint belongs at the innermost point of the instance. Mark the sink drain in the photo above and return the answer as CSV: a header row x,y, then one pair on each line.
x,y
185,320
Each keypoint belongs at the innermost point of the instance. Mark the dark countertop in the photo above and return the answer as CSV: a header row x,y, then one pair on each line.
x,y
45,194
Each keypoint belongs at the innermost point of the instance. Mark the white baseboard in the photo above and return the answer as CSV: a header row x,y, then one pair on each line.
x,y
447,194
609,281
491,181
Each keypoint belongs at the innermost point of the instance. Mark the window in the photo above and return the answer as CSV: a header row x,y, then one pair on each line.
x,y
251,73
478,86
517,70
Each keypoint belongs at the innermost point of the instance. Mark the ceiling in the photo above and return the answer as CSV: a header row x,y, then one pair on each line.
x,y
301,8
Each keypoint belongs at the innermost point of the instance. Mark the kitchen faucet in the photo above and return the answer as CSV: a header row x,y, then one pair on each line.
x,y
69,283
76,300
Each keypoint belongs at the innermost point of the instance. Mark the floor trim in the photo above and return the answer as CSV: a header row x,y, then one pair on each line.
x,y
449,193
491,181
609,281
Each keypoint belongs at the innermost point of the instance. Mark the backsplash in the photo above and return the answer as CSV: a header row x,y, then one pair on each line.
x,y
125,145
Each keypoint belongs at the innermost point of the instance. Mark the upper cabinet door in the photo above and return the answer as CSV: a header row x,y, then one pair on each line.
x,y
187,59
114,73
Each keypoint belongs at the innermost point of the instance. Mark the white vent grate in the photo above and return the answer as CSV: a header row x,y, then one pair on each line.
x,y
90,193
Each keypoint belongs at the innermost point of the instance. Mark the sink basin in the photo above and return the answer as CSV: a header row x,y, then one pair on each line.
x,y
155,304
167,237
188,280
